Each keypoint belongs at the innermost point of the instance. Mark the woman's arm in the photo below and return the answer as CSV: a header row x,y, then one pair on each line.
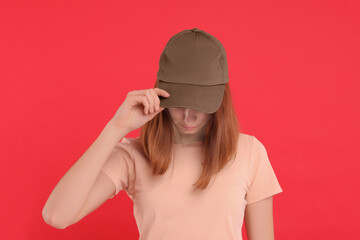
x,y
72,191
259,220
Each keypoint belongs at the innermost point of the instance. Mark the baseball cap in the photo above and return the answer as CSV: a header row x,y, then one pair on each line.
x,y
193,70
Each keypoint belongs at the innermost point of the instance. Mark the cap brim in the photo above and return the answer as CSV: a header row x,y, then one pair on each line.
x,y
198,97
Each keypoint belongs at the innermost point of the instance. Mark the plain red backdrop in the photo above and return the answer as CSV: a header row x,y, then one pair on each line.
x,y
66,66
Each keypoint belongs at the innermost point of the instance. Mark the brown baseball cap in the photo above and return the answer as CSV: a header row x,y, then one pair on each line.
x,y
193,70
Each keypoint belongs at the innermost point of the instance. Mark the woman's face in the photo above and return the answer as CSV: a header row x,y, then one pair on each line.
x,y
187,120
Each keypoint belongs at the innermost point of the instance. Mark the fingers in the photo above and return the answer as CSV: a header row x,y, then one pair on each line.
x,y
153,99
161,92
156,100
150,99
142,100
146,103
158,91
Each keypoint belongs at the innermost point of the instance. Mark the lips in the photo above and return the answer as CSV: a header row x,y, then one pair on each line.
x,y
188,127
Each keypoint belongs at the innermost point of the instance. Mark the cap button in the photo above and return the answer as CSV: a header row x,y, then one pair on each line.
x,y
195,30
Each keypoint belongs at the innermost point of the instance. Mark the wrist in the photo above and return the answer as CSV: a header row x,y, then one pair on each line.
x,y
119,130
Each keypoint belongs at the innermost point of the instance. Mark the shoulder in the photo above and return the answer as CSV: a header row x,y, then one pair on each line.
x,y
250,146
128,140
245,140
125,146
131,145
250,141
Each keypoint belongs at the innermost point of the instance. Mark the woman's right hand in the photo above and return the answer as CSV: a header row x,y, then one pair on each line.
x,y
139,107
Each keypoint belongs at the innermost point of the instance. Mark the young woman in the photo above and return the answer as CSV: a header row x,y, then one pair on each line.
x,y
192,174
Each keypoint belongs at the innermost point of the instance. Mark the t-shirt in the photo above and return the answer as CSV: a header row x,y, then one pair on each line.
x,y
166,208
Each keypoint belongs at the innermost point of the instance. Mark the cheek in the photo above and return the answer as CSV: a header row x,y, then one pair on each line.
x,y
175,115
205,120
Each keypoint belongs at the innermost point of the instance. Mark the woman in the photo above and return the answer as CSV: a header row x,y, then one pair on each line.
x,y
191,174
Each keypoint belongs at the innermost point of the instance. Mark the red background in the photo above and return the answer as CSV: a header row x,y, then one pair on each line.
x,y
66,66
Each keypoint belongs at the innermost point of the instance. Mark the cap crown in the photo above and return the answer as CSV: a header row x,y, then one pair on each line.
x,y
195,57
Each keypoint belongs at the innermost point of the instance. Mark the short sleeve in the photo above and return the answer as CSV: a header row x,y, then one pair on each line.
x,y
263,181
120,168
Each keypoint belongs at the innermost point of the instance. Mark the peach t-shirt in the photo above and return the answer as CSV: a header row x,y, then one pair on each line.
x,y
166,208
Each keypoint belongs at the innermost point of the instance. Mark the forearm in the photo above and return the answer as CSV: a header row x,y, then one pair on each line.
x,y
71,192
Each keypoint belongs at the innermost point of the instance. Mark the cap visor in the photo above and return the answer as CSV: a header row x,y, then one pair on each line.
x,y
198,97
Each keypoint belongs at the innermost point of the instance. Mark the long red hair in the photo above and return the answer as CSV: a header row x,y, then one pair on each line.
x,y
220,143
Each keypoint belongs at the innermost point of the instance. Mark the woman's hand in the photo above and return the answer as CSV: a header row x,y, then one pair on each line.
x,y
139,107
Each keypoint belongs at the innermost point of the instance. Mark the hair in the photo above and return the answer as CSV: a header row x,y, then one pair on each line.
x,y
220,142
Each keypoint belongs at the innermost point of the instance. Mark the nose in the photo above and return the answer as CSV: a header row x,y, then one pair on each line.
x,y
189,116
